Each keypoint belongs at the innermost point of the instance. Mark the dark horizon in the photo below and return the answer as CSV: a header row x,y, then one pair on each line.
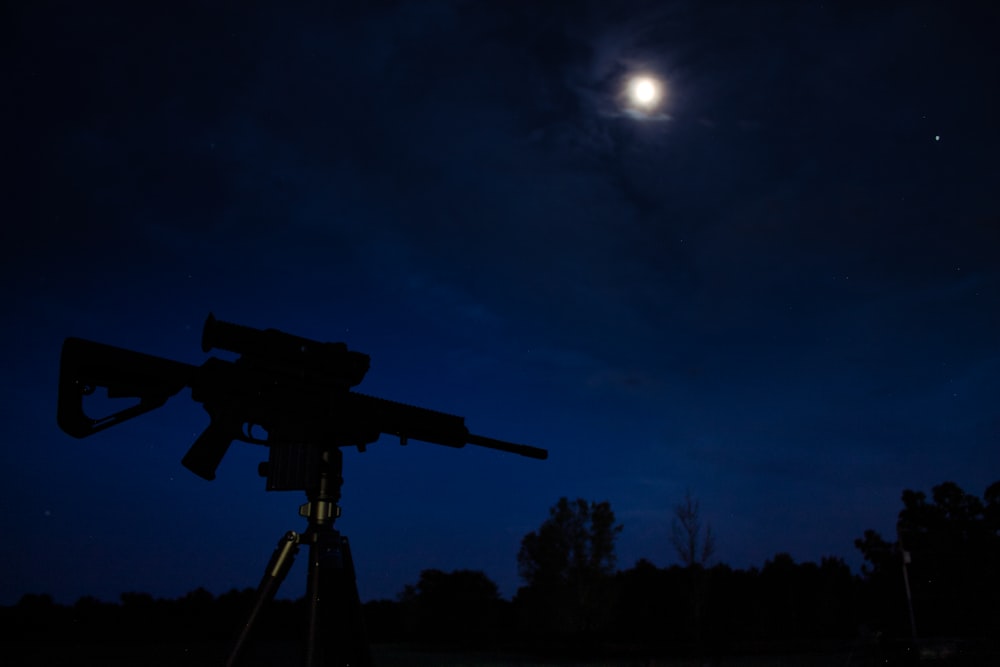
x,y
576,603
775,288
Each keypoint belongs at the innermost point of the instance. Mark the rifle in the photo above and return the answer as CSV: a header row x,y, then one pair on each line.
x,y
297,390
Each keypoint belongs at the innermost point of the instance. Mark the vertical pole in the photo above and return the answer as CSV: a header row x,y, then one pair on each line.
x,y
906,581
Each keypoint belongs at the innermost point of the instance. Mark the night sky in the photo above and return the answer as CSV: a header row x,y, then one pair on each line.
x,y
778,288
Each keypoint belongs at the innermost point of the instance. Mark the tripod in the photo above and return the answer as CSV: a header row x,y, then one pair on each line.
x,y
335,635
292,388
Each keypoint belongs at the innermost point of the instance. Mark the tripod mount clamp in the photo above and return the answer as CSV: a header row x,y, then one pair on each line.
x,y
320,511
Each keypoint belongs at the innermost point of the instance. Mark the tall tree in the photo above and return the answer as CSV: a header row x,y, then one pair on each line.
x,y
695,544
567,565
576,543
691,545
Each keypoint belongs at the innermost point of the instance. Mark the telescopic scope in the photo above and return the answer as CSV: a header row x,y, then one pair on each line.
x,y
273,347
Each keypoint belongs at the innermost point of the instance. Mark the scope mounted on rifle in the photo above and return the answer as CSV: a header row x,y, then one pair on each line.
x,y
297,390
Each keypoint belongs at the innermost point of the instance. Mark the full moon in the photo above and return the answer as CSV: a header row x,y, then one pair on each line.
x,y
644,91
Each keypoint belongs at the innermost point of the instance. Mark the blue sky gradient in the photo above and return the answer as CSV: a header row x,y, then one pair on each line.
x,y
778,292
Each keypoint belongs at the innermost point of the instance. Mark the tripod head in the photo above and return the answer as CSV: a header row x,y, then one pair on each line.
x,y
296,390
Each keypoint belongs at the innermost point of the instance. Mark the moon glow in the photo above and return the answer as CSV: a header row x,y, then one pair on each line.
x,y
644,92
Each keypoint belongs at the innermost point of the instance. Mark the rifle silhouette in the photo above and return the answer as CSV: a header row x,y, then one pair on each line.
x,y
297,390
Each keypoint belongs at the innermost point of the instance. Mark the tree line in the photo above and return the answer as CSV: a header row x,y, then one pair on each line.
x,y
939,576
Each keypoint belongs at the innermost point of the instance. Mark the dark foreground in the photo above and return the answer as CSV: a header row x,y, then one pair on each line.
x,y
285,654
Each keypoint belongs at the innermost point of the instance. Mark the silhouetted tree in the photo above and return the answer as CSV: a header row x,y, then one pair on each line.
x,y
196,615
567,564
952,546
34,616
784,606
647,606
991,511
92,618
576,542
836,599
804,603
384,621
460,607
695,544
693,547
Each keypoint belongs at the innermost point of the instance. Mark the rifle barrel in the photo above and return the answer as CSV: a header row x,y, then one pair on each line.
x,y
513,448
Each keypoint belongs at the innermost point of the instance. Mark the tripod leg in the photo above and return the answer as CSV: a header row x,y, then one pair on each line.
x,y
279,565
336,635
